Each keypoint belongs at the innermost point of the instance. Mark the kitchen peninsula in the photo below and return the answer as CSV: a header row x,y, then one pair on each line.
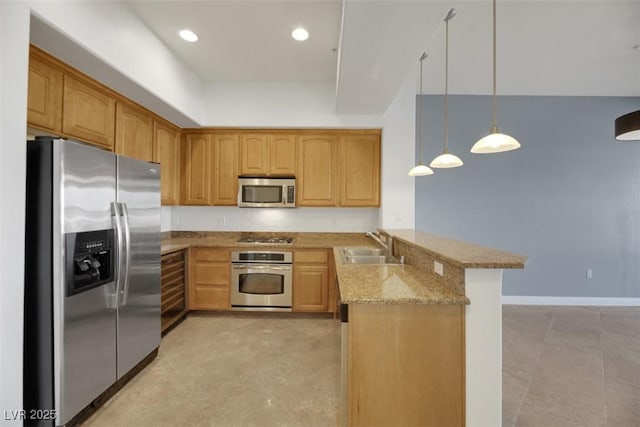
x,y
442,308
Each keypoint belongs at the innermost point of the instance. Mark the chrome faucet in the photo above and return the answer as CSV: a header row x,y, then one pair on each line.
x,y
388,246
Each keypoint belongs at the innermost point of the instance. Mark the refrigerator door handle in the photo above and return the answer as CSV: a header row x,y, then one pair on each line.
x,y
127,244
117,220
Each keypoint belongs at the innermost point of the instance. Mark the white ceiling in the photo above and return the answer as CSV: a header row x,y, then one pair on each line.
x,y
544,47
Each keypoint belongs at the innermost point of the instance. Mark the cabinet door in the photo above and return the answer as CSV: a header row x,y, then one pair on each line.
x,y
282,154
196,177
225,166
210,273
359,170
88,113
134,132
44,100
317,170
310,287
253,154
166,151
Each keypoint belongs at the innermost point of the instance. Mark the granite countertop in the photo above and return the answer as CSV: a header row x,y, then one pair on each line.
x,y
390,284
184,239
461,254
370,283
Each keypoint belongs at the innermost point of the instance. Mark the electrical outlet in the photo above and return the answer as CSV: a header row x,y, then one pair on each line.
x,y
438,268
589,273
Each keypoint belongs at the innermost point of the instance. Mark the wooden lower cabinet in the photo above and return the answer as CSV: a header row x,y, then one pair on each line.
x,y
405,365
173,300
209,279
311,270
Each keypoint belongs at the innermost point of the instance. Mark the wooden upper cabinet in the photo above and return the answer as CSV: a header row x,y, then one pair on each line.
x,y
254,155
317,167
88,113
196,170
359,170
282,154
166,151
134,132
225,170
44,99
267,154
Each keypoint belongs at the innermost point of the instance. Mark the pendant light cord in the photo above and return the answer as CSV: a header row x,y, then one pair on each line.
x,y
422,58
446,88
495,123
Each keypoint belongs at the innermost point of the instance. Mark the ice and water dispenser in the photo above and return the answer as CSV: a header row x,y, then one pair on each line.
x,y
90,260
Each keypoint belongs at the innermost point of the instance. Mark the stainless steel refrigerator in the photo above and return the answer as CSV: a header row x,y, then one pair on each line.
x,y
92,274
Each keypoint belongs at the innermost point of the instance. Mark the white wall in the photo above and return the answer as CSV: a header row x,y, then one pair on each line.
x,y
130,58
398,153
200,218
288,104
14,40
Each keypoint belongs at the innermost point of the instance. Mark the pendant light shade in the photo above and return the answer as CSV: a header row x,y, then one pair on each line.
x,y
420,169
628,127
495,142
446,159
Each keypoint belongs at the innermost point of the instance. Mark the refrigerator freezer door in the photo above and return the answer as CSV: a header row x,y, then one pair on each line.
x,y
84,323
138,186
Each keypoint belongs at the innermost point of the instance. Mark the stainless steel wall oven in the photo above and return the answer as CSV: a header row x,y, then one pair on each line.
x,y
261,280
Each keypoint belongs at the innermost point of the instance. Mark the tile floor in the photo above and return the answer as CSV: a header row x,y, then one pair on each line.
x,y
562,366
571,366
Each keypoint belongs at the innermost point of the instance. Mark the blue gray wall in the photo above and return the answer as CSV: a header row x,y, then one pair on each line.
x,y
569,199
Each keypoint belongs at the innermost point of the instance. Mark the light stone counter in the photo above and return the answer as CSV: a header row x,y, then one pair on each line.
x,y
458,253
174,241
390,284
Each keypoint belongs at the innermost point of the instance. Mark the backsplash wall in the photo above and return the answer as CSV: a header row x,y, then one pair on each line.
x,y
218,218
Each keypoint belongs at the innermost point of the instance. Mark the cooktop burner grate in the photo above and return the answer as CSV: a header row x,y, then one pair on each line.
x,y
279,240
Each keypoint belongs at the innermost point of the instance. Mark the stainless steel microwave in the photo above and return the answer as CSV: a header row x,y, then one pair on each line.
x,y
266,192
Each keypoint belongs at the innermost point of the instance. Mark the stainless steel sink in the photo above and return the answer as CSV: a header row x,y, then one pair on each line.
x,y
368,256
363,251
372,259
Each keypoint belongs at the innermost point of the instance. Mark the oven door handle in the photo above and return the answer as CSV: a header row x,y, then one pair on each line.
x,y
260,267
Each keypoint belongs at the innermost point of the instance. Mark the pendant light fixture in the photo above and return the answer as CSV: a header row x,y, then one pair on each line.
x,y
446,159
420,169
495,142
628,127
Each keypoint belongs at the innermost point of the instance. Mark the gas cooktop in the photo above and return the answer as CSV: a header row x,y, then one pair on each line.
x,y
273,240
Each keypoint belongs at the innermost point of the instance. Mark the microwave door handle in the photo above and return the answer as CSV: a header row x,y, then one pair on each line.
x,y
285,194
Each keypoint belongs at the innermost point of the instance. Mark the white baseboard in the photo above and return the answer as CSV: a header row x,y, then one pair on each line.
x,y
534,300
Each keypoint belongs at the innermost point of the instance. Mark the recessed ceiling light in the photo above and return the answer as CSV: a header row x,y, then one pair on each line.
x,y
300,34
189,35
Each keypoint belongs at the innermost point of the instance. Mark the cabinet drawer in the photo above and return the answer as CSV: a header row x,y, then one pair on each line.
x,y
319,256
211,254
216,274
210,298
